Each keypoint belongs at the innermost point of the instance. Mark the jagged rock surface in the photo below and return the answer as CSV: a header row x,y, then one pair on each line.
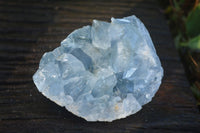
x,y
102,72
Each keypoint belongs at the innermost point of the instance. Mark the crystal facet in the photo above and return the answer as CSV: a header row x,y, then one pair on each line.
x,y
102,72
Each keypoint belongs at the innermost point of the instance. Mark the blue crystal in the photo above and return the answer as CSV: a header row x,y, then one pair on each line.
x,y
102,72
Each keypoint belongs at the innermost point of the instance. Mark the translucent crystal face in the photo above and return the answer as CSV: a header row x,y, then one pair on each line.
x,y
102,72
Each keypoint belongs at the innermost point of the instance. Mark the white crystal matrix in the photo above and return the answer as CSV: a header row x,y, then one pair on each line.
x,y
102,72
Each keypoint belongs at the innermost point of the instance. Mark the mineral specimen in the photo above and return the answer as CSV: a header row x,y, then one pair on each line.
x,y
102,72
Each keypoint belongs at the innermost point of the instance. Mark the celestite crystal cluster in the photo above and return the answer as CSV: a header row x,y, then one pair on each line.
x,y
102,72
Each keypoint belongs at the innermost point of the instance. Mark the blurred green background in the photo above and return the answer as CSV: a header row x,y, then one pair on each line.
x,y
184,21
